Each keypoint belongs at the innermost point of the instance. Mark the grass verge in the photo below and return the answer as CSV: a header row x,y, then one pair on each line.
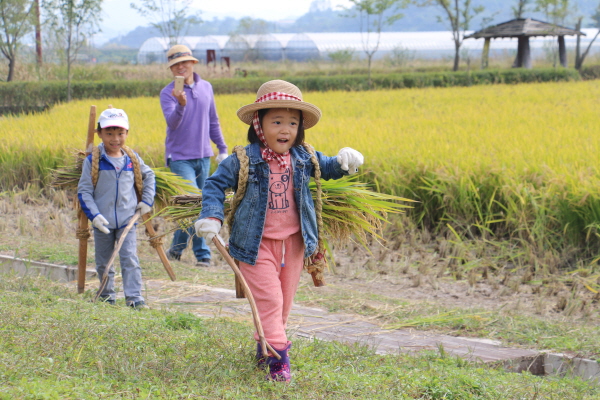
x,y
57,345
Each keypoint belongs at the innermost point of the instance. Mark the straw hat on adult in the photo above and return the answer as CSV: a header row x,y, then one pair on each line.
x,y
280,94
179,53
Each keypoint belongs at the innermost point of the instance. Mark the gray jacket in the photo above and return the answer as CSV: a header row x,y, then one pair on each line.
x,y
114,195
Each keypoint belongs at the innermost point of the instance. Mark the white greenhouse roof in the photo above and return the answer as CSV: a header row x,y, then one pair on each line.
x,y
421,43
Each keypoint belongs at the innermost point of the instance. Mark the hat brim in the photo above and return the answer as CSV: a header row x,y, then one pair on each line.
x,y
115,125
181,59
310,113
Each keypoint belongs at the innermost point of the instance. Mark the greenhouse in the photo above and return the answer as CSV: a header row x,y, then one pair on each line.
x,y
311,46
205,43
154,50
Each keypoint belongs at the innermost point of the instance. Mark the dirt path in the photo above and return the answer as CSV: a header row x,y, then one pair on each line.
x,y
313,322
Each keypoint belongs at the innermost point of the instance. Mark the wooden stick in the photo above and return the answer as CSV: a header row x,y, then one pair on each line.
x,y
159,249
238,274
83,221
115,252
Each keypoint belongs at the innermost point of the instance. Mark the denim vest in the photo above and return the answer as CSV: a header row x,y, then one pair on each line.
x,y
246,232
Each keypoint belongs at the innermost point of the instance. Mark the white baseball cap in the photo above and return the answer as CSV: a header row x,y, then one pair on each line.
x,y
113,117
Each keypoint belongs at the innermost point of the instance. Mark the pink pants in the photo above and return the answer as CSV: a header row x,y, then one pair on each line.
x,y
273,286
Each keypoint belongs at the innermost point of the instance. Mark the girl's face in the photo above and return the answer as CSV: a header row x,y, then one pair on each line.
x,y
280,126
114,138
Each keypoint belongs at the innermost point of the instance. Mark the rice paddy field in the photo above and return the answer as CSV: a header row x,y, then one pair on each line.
x,y
517,163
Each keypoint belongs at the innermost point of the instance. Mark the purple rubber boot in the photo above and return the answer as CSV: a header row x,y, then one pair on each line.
x,y
279,370
261,361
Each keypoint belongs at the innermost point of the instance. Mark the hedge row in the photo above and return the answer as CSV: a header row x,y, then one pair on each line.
x,y
591,72
18,97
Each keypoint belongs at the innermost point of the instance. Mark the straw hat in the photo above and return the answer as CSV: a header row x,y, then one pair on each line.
x,y
179,53
280,94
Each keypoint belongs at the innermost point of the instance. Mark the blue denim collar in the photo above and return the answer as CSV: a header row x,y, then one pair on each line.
x,y
299,154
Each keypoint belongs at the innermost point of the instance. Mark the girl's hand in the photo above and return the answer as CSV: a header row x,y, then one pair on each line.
x,y
350,160
208,228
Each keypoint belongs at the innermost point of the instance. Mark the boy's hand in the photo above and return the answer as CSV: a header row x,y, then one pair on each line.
x,y
99,222
180,96
208,228
221,157
143,207
350,160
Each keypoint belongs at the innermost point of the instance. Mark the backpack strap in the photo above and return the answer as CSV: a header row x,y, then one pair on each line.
x,y
240,151
137,172
316,263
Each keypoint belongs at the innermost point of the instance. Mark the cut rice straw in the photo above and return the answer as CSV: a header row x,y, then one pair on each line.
x,y
350,209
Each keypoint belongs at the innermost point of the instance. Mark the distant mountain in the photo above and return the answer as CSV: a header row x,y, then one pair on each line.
x,y
328,20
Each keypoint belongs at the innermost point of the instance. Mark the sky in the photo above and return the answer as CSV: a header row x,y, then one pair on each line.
x,y
119,18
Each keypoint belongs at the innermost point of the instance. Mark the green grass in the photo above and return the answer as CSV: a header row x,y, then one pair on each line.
x,y
55,344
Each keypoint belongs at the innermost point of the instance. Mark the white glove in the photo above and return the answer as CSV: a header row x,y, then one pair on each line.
x,y
208,228
221,157
350,160
143,207
98,222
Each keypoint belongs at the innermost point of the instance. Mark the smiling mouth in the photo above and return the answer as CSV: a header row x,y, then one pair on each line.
x,y
282,140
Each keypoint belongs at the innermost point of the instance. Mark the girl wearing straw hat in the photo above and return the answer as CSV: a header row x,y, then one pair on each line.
x,y
274,226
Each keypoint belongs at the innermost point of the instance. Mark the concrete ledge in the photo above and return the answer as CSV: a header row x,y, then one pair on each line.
x,y
566,365
59,273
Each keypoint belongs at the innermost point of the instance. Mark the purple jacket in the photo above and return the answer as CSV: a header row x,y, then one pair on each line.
x,y
189,128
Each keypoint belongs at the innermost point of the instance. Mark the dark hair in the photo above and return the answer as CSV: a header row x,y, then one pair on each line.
x,y
253,137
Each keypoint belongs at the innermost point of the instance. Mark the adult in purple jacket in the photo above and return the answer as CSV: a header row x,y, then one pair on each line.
x,y
192,123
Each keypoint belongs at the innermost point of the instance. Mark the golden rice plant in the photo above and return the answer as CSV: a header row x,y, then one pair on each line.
x,y
516,162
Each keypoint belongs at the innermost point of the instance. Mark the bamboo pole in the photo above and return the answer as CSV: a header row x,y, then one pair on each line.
x,y
111,260
82,219
159,249
218,242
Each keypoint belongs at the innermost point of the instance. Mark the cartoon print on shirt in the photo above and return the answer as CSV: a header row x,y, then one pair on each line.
x,y
279,183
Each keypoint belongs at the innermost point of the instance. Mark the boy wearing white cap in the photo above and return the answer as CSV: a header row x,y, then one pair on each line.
x,y
114,183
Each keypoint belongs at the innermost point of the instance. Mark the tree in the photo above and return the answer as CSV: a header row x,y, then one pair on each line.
x,y
459,13
16,21
556,11
73,22
580,58
372,20
521,8
250,30
169,17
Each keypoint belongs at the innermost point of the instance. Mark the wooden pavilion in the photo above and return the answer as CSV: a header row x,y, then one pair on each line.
x,y
523,29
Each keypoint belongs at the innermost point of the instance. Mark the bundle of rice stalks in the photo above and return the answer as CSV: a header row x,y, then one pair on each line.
x,y
67,177
168,184
349,208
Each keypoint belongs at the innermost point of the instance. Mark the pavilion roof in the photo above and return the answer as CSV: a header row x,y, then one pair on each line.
x,y
523,27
